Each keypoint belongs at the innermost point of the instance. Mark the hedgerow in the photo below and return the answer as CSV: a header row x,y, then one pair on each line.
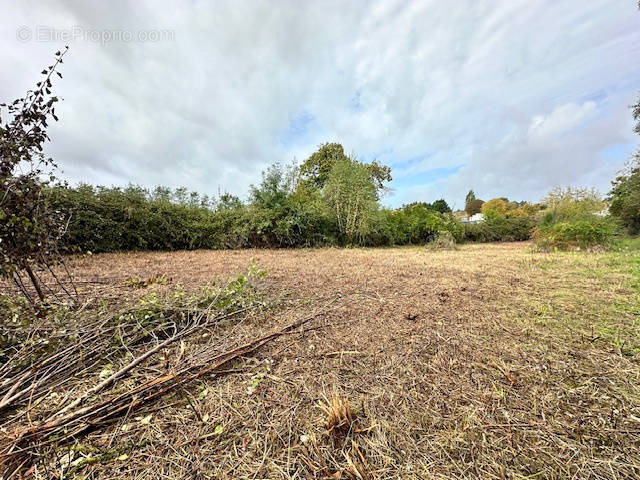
x,y
117,219
499,230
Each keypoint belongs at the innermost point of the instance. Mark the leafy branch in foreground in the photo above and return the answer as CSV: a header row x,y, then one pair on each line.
x,y
30,229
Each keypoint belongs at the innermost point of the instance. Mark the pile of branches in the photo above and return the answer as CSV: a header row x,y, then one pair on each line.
x,y
22,387
22,380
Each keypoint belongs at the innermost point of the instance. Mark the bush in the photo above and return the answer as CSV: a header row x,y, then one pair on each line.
x,y
585,233
443,241
415,224
569,204
625,198
515,229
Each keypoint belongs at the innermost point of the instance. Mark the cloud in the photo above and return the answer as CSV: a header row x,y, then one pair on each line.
x,y
509,98
562,120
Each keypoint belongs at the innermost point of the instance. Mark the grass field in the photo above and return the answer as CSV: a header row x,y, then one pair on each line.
x,y
489,361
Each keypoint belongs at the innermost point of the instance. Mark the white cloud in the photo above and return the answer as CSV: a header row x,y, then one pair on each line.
x,y
560,121
524,94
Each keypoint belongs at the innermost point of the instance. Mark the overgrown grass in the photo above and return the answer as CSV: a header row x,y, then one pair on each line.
x,y
594,294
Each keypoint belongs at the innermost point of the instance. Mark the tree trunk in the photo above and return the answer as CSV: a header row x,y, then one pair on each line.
x,y
34,280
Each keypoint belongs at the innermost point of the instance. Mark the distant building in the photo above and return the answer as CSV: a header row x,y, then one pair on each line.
x,y
477,218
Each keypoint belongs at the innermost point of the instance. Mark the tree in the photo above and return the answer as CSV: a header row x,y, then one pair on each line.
x,y
316,169
499,208
278,182
495,208
205,201
379,175
474,206
625,191
471,196
29,228
441,206
625,197
350,195
161,194
228,201
180,195
194,199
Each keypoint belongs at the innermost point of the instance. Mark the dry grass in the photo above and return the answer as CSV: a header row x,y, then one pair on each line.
x,y
338,414
489,361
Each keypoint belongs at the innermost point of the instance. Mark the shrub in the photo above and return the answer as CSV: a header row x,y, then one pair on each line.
x,y
443,241
584,233
415,224
567,204
515,229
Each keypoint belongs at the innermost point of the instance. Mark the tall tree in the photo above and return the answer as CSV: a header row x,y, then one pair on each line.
x,y
471,196
350,195
316,169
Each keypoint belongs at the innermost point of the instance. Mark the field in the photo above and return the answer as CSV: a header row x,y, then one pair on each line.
x,y
489,361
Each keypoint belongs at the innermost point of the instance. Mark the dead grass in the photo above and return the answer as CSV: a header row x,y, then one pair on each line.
x,y
489,361
338,414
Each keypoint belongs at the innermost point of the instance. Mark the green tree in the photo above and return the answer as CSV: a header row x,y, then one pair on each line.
x,y
228,201
380,175
180,195
474,206
316,169
278,182
194,199
350,195
503,208
161,194
471,196
495,208
625,197
441,206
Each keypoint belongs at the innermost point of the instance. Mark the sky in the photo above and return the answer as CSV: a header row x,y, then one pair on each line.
x,y
506,97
